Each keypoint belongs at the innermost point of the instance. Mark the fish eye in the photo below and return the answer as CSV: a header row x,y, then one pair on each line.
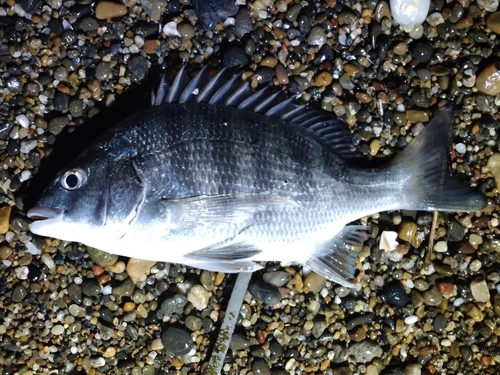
x,y
73,179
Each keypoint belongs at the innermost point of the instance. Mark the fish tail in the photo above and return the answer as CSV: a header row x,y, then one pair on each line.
x,y
424,166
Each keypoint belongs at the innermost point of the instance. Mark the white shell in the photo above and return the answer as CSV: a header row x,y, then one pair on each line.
x,y
409,12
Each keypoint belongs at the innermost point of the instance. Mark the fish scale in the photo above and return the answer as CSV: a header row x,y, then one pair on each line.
x,y
229,177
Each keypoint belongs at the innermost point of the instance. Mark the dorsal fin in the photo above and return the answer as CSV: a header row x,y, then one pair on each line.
x,y
230,90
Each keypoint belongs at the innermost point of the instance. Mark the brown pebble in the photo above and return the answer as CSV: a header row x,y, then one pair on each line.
x,y
493,22
269,61
407,230
94,87
351,70
363,97
465,22
323,79
4,218
445,288
151,46
400,49
128,306
281,74
97,270
358,335
414,115
109,9
374,147
488,80
466,248
314,282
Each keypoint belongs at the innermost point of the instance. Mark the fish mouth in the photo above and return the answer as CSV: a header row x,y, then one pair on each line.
x,y
44,213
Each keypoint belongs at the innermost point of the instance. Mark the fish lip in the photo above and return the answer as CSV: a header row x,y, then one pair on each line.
x,y
44,213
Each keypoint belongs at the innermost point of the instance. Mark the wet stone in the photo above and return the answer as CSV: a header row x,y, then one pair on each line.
x,y
126,288
488,80
479,290
102,258
260,367
57,124
395,294
455,232
193,323
314,282
19,293
75,293
365,351
239,342
243,23
432,297
422,51
106,314
212,12
264,292
275,350
439,323
174,305
138,65
91,288
177,340
276,278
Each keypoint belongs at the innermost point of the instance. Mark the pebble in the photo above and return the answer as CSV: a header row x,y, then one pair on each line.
x,y
445,288
91,288
264,292
102,258
395,294
19,293
432,297
493,22
177,340
441,247
186,30
57,124
276,278
198,296
260,367
212,12
4,218
174,305
407,231
365,351
109,9
138,269
239,342
488,5
314,282
439,323
193,323
480,290
488,80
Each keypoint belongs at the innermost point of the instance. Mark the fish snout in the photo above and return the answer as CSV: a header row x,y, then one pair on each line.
x,y
44,213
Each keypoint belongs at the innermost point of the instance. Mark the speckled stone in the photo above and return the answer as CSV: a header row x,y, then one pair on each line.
x,y
102,258
19,293
260,367
365,351
198,296
174,305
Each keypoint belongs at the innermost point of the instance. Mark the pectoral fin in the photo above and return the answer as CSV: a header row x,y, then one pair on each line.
x,y
336,260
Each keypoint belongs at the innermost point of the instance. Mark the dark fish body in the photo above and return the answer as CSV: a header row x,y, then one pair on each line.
x,y
219,177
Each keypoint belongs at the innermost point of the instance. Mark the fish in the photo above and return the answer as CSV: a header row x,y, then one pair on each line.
x,y
219,176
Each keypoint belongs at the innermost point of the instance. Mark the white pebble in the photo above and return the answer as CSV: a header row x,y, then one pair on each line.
x,y
409,12
388,240
170,29
48,261
107,290
23,121
139,41
412,319
446,342
32,249
22,272
460,148
78,280
378,280
410,284
25,175
475,265
441,247
458,302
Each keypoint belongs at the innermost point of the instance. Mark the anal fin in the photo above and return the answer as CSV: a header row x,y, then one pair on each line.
x,y
336,260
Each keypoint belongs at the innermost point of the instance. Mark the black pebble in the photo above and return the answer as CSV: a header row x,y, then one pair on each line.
x,y
395,294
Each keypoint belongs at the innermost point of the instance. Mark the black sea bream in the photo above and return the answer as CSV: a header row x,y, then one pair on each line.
x,y
218,176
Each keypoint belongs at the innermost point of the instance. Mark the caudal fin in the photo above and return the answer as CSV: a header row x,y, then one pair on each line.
x,y
424,167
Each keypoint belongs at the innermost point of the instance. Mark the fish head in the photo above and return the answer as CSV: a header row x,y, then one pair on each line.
x,y
92,201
